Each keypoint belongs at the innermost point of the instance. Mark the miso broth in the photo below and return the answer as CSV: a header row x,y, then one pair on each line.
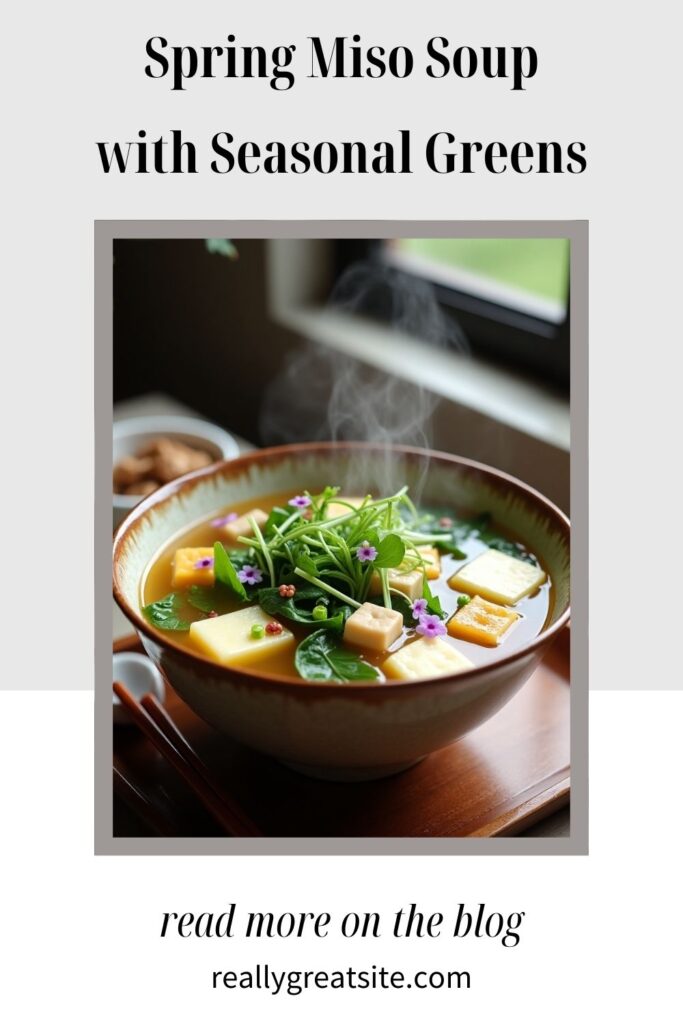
x,y
158,583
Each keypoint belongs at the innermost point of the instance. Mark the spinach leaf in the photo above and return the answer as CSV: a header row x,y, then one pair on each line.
x,y
433,601
464,528
321,658
510,547
390,552
294,608
226,573
240,557
164,614
450,537
482,529
478,526
446,544
222,594
211,599
203,598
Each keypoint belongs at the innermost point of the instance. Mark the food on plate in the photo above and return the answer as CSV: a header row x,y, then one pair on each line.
x,y
347,590
155,463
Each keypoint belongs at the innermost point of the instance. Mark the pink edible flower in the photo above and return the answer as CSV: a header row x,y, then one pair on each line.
x,y
204,563
419,607
366,552
224,520
431,626
250,574
300,501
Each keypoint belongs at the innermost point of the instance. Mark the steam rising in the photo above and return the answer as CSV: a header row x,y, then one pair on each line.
x,y
324,394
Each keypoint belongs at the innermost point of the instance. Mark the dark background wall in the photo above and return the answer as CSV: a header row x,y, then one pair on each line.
x,y
195,325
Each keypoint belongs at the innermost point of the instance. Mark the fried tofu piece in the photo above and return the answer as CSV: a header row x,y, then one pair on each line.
x,y
432,557
424,658
241,527
228,639
498,577
188,568
407,581
373,626
481,622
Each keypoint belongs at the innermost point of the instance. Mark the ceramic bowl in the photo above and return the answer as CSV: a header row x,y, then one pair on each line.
x,y
130,435
330,731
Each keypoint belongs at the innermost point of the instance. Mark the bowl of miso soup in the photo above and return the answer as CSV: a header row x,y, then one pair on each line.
x,y
345,608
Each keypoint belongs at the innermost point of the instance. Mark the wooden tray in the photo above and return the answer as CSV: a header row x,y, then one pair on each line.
x,y
500,779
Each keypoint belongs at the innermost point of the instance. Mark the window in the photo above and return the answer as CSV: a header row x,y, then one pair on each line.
x,y
509,296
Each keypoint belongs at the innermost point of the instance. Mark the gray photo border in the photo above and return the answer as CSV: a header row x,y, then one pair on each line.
x,y
105,231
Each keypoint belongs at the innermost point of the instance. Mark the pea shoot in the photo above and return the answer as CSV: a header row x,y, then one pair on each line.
x,y
339,554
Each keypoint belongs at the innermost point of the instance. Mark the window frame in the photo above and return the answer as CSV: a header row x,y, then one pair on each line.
x,y
495,331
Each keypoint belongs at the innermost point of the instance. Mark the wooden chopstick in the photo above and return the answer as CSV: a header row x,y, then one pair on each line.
x,y
133,796
161,717
234,824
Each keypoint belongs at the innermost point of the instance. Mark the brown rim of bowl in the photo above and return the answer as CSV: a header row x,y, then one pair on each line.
x,y
268,681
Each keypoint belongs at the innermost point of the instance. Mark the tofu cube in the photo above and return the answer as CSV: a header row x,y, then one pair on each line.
x,y
498,577
227,639
241,527
188,570
407,581
335,509
432,557
373,626
425,658
481,622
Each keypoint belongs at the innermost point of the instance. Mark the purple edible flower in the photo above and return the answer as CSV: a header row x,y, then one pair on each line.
x,y
419,607
366,552
250,574
224,520
204,563
431,626
300,501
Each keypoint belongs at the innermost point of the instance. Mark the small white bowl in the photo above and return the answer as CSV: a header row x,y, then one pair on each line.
x,y
129,435
139,675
